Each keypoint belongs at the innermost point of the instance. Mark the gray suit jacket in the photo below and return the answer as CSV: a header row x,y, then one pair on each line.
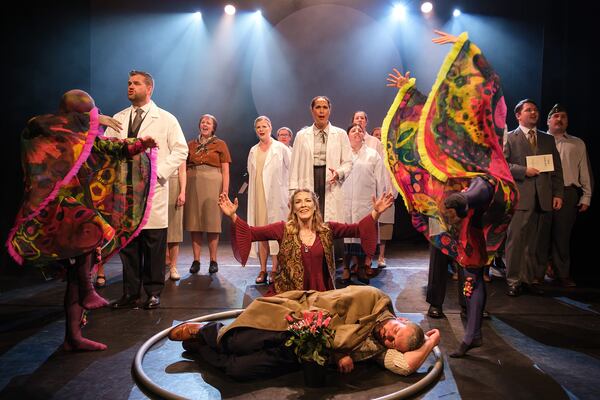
x,y
547,184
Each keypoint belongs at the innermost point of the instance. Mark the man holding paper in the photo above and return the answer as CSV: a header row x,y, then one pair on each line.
x,y
535,165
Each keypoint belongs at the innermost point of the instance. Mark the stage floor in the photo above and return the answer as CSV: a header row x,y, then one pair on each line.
x,y
534,346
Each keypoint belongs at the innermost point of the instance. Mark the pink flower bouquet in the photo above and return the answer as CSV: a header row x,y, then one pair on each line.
x,y
312,339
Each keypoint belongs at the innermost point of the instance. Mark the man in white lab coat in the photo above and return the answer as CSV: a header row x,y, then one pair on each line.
x,y
144,257
321,159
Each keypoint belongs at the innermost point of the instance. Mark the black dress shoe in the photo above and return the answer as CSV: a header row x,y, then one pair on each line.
x,y
513,291
195,267
213,267
152,303
346,281
435,312
126,301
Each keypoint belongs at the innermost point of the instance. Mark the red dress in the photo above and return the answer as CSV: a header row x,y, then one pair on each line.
x,y
316,275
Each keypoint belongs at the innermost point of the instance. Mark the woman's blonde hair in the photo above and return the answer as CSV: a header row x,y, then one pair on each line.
x,y
293,226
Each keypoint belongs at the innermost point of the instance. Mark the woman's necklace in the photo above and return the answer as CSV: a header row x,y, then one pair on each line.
x,y
307,238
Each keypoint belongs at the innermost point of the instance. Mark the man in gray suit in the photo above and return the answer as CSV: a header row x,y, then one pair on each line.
x,y
528,237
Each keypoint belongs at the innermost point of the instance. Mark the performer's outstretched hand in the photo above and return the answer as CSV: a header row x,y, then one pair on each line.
x,y
105,120
227,206
381,204
444,38
398,80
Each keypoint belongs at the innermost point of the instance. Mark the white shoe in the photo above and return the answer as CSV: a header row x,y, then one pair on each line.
x,y
173,274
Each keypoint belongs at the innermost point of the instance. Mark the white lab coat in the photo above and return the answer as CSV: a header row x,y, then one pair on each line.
x,y
339,157
172,151
374,143
275,177
387,217
365,181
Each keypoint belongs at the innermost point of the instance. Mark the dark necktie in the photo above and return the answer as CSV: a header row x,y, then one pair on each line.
x,y
322,135
137,121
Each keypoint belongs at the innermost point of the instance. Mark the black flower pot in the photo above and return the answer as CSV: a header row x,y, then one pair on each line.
x,y
314,374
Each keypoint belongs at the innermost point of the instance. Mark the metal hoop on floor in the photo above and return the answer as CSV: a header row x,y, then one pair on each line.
x,y
154,391
142,380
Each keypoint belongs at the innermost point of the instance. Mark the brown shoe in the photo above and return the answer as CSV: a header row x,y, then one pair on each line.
x,y
261,278
185,331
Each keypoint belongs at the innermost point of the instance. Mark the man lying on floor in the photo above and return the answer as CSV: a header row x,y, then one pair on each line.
x,y
362,317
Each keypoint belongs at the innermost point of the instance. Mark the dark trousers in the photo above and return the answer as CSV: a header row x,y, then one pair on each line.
x,y
144,263
247,353
562,226
527,245
319,174
438,276
475,303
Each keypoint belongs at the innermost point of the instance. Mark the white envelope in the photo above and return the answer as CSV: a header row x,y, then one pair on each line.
x,y
542,162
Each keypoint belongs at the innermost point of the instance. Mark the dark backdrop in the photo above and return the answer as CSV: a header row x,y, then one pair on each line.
x,y
236,71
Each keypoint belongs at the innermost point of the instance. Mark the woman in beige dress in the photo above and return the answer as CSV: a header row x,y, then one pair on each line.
x,y
207,177
177,184
268,174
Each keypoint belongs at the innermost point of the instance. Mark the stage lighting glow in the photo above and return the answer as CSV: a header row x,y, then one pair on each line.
x,y
257,14
426,7
399,12
197,15
456,12
229,9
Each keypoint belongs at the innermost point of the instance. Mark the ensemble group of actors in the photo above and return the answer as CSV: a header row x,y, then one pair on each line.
x,y
90,195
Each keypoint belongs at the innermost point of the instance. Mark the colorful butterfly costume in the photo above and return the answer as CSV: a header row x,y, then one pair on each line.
x,y
80,192
436,145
